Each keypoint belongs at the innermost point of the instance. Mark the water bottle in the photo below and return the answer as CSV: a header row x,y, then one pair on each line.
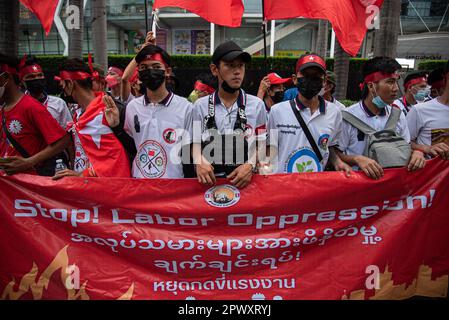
x,y
60,165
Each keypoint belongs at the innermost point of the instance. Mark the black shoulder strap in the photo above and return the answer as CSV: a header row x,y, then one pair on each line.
x,y
14,143
306,130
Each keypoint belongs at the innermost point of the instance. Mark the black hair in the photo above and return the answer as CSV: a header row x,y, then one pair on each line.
x,y
150,50
414,75
208,79
30,60
435,76
382,64
446,69
12,62
76,64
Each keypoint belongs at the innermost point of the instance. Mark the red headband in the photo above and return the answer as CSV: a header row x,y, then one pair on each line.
x,y
135,77
377,76
35,68
414,81
73,75
156,57
199,86
79,75
116,70
6,68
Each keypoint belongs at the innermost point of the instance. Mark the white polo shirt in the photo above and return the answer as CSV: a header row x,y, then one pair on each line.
x,y
295,154
225,118
338,104
428,122
159,130
353,141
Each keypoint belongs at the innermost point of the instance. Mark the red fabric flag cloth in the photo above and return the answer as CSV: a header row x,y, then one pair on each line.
x,y
349,18
105,152
44,11
222,12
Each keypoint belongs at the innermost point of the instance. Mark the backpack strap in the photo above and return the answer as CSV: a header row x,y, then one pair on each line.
x,y
393,119
357,123
306,130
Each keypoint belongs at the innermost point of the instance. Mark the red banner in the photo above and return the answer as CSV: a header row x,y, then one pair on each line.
x,y
297,236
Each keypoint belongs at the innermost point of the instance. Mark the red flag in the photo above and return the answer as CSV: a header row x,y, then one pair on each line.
x,y
349,18
44,11
105,152
222,12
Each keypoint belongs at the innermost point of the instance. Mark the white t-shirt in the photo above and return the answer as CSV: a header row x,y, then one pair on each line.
x,y
353,142
428,122
159,131
225,118
295,154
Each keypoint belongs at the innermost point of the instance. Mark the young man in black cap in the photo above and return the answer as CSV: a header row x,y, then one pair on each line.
x,y
225,115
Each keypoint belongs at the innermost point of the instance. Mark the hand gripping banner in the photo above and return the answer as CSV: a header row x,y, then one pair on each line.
x,y
297,236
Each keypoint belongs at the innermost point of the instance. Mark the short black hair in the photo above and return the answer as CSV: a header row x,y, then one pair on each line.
x,y
30,60
12,62
382,64
414,75
76,64
150,50
208,78
435,76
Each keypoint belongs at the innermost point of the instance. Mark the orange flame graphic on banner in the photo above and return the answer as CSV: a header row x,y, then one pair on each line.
x,y
30,282
423,285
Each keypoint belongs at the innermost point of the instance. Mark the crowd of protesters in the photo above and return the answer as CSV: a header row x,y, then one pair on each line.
x,y
130,123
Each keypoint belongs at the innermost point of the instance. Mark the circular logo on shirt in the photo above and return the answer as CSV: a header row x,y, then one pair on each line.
x,y
169,135
323,141
301,161
15,127
222,196
151,159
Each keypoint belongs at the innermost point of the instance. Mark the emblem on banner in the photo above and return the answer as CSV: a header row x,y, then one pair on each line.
x,y
222,196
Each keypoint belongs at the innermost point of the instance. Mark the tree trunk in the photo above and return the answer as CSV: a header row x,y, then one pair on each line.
x,y
341,70
76,33
9,27
322,35
386,37
99,32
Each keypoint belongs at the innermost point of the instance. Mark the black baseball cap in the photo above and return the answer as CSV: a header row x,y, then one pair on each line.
x,y
229,51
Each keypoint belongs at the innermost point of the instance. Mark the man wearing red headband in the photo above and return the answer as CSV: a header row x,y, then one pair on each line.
x,y
98,152
33,79
307,126
29,135
416,90
160,122
114,82
379,90
429,123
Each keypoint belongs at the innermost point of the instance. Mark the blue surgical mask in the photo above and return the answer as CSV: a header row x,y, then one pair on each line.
x,y
421,95
378,102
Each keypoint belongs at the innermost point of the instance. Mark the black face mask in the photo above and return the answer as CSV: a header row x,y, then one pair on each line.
x,y
227,88
142,89
152,78
67,98
309,86
36,87
278,97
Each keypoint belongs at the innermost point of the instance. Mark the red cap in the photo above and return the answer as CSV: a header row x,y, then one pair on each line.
x,y
276,79
310,60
